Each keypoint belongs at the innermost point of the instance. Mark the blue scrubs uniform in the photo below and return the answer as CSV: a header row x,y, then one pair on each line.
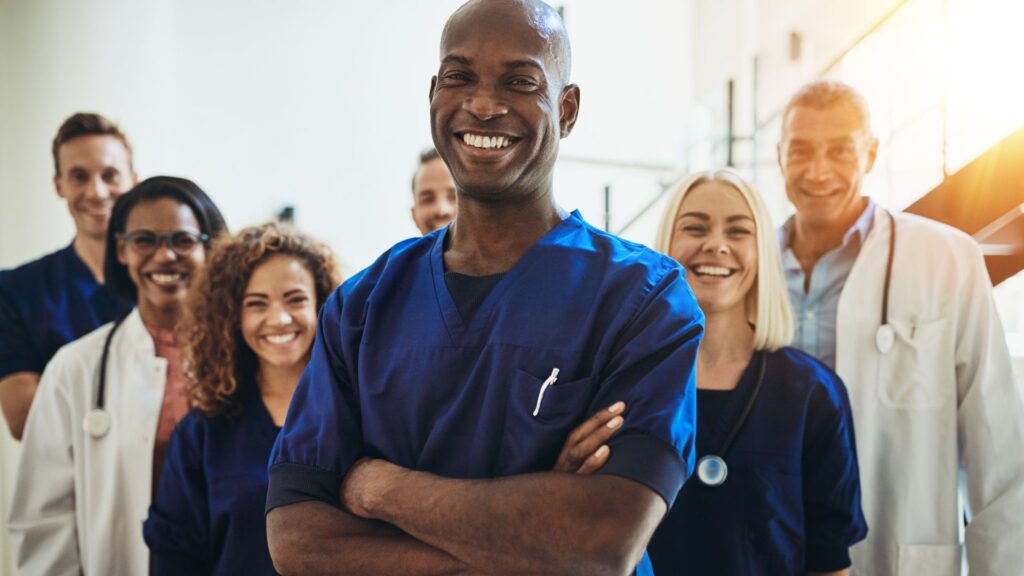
x,y
396,372
207,517
791,501
47,303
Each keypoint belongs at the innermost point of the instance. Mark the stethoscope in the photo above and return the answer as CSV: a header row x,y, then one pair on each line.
x,y
885,336
711,468
97,421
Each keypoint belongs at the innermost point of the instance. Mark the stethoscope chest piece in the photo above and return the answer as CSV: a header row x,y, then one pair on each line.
x,y
711,470
885,338
96,423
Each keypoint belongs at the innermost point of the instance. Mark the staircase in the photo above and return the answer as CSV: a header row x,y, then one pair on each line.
x,y
986,200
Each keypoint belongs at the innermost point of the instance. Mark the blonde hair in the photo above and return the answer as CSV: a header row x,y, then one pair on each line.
x,y
767,302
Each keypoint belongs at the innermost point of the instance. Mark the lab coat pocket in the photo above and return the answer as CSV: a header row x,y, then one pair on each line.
x,y
774,523
532,442
910,375
931,559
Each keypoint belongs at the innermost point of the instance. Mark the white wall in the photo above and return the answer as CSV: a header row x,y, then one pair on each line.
x,y
321,105
634,68
732,33
9,450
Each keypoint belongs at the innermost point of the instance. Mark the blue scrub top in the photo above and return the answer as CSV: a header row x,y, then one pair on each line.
x,y
47,303
791,501
397,374
207,517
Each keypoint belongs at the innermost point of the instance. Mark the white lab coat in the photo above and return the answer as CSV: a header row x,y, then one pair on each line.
x,y
79,501
939,420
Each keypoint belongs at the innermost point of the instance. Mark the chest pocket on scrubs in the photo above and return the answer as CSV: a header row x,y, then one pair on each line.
x,y
911,376
774,518
532,443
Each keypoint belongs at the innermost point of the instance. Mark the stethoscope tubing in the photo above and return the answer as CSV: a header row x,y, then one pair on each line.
x,y
888,269
712,469
97,421
101,389
747,408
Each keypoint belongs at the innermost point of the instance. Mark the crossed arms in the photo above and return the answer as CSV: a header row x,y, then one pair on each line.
x,y
402,521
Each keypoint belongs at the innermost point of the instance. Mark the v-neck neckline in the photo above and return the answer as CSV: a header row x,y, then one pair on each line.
x,y
464,333
263,410
721,428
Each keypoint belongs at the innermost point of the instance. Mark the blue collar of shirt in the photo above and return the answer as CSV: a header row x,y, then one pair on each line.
x,y
859,231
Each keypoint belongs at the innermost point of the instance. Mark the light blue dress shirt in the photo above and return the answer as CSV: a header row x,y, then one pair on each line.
x,y
815,309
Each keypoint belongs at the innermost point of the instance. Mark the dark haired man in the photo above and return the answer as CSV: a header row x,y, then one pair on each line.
x,y
51,301
433,193
446,377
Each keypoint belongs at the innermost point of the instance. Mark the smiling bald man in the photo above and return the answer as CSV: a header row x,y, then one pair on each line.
x,y
428,431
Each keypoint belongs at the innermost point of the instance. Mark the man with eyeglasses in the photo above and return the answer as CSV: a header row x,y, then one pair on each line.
x,y
51,301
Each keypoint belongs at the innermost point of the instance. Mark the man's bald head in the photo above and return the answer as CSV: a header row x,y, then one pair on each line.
x,y
543,19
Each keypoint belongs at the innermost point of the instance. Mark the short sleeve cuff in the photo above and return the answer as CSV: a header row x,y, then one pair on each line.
x,y
14,364
649,461
828,558
294,483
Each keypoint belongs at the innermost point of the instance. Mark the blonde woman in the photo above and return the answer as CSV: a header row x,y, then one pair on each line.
x,y
776,489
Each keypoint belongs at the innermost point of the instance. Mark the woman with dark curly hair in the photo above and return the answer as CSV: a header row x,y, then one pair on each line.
x,y
247,333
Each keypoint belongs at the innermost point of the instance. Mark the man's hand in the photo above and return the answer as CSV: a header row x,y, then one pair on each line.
x,y
363,482
585,450
584,453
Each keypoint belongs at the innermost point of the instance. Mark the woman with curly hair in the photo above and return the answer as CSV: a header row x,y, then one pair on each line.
x,y
247,333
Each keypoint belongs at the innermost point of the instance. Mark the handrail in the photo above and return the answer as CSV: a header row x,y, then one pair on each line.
x,y
645,166
778,113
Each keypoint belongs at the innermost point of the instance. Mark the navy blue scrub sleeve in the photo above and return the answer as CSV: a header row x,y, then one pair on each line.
x,y
176,530
832,511
652,369
322,435
16,352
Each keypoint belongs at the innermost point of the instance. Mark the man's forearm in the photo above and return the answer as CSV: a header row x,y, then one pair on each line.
x,y
314,538
547,523
16,393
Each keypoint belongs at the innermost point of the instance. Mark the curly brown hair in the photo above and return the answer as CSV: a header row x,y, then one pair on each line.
x,y
216,358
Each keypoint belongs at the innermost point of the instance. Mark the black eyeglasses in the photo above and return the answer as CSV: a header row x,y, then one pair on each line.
x,y
145,242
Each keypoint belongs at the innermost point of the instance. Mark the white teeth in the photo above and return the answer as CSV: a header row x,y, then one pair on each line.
x,y
712,271
281,338
485,142
166,278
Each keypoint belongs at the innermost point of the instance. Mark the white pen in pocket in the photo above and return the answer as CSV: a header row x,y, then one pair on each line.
x,y
543,388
